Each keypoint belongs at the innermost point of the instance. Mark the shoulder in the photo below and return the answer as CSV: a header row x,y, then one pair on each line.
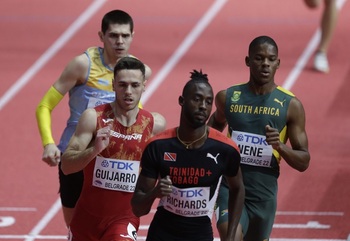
x,y
295,106
285,91
159,124
89,112
166,134
220,99
79,63
93,50
88,119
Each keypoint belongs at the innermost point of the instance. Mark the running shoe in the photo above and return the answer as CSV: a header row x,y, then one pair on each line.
x,y
321,62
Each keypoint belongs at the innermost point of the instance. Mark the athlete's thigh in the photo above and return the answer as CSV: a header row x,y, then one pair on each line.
x,y
261,219
84,226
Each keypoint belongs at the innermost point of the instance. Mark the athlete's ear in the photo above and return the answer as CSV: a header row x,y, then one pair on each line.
x,y
100,35
278,64
247,61
144,85
181,100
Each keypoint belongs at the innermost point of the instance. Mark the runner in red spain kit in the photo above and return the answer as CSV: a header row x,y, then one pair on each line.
x,y
107,145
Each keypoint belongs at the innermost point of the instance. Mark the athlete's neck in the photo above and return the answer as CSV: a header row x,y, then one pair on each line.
x,y
125,117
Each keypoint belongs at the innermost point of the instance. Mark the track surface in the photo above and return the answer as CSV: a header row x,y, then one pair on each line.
x,y
40,37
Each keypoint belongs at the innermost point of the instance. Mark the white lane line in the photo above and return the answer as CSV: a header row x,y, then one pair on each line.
x,y
17,209
61,237
57,45
50,52
44,221
182,49
305,56
45,237
306,213
308,225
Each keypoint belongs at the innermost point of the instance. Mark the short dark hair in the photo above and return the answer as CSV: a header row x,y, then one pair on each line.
x,y
129,63
116,17
261,40
196,77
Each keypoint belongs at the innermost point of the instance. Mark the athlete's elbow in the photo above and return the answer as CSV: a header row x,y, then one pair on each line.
x,y
303,167
137,208
64,167
65,170
138,212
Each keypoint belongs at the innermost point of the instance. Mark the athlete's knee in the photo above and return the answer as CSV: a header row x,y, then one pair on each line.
x,y
222,229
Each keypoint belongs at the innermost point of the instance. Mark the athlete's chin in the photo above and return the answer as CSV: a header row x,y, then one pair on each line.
x,y
120,53
198,124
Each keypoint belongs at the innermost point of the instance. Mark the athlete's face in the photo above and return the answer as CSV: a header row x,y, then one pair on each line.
x,y
128,85
117,40
197,104
263,62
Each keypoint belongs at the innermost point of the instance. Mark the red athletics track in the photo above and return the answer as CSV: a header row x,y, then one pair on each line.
x,y
173,39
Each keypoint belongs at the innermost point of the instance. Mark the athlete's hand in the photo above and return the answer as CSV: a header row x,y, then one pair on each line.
x,y
164,187
51,155
102,138
273,137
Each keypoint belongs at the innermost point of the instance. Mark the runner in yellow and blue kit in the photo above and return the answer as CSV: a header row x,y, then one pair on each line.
x,y
88,79
261,117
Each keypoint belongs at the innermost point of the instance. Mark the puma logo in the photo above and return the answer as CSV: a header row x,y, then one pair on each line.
x,y
279,102
213,157
132,234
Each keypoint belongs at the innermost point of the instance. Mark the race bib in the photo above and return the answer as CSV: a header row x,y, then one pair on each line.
x,y
253,148
189,202
117,175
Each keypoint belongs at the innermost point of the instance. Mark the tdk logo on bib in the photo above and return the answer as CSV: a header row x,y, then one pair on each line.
x,y
191,193
252,139
117,165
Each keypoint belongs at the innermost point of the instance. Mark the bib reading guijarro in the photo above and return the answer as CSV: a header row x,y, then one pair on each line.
x,y
113,174
254,149
189,202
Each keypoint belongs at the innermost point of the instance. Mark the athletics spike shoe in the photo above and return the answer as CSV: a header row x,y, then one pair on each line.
x,y
321,62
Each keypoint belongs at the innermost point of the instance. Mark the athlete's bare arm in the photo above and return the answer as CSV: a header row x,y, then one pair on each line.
x,y
297,156
218,119
146,191
85,143
73,74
